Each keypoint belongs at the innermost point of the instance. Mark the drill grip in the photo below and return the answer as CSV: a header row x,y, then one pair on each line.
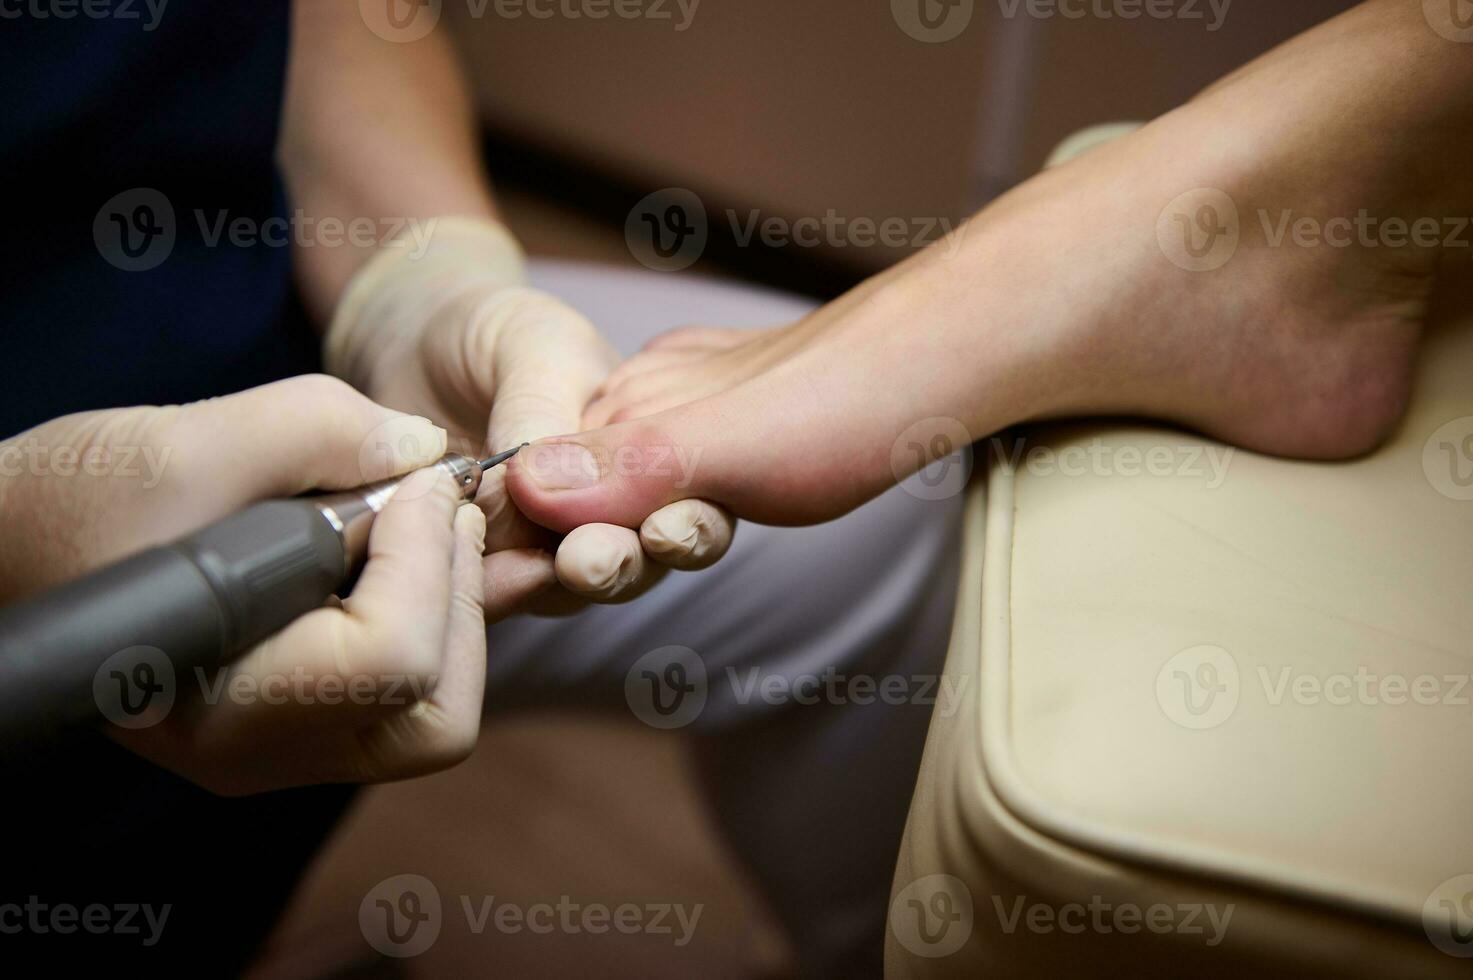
x,y
125,640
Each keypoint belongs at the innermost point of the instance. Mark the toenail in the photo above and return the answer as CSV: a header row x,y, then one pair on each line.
x,y
562,466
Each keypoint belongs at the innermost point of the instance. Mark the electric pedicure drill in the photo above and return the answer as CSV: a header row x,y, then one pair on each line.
x,y
201,601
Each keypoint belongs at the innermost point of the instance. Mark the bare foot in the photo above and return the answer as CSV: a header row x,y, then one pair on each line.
x,y
1246,265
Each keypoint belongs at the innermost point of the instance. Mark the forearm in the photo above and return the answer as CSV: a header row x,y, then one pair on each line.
x,y
373,129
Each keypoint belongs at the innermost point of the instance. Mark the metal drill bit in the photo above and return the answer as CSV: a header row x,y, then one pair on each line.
x,y
499,458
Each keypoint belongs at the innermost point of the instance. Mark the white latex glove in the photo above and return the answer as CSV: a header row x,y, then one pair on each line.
x,y
454,334
83,490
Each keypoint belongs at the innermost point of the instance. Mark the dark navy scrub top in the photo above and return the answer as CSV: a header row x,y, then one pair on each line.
x,y
102,119
137,125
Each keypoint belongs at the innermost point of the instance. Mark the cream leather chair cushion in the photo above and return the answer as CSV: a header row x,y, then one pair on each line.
x,y
1218,714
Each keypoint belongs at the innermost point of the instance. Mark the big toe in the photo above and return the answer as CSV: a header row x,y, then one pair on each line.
x,y
617,475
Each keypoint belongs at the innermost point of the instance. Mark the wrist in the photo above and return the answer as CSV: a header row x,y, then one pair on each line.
x,y
389,302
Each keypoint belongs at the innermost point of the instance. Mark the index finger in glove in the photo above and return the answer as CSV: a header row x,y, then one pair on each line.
x,y
547,361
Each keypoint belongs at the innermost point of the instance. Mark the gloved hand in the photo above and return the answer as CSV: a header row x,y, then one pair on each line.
x,y
454,334
83,490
